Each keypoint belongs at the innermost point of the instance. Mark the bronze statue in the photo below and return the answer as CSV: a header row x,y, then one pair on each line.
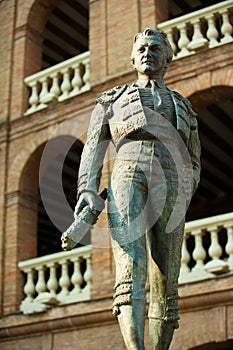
x,y
156,171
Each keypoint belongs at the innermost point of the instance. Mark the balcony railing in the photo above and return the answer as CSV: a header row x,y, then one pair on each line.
x,y
59,82
65,277
59,278
207,28
207,248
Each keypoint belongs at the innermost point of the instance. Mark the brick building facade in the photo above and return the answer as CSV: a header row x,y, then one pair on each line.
x,y
47,114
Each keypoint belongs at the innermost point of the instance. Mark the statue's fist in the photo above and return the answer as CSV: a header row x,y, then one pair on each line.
x,y
92,199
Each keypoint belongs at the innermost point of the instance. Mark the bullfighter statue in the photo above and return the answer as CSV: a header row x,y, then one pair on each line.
x,y
155,173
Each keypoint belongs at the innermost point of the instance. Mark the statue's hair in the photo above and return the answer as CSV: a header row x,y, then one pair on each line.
x,y
158,33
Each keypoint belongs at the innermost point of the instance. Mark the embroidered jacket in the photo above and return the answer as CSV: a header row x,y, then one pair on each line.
x,y
118,114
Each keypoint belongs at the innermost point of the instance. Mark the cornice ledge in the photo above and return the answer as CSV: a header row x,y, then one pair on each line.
x,y
206,300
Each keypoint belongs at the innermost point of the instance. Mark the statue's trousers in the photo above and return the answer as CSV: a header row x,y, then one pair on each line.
x,y
143,193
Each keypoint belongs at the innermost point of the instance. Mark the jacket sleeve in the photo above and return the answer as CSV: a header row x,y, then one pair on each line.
x,y
98,137
194,149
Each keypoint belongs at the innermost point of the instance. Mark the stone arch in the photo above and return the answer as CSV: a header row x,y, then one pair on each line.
x,y
202,82
28,205
36,20
34,13
31,20
20,161
75,126
39,12
213,94
223,345
58,189
27,169
29,25
213,105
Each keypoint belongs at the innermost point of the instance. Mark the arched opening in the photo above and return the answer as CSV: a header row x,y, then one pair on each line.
x,y
58,188
28,206
215,192
227,345
66,32
48,182
179,8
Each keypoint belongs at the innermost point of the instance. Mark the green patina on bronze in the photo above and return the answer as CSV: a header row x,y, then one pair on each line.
x,y
156,172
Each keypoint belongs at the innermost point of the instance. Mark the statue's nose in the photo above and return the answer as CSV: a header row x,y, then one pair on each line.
x,y
147,52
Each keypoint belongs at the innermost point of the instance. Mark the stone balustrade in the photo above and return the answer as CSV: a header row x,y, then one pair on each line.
x,y
56,279
65,277
206,28
59,82
207,248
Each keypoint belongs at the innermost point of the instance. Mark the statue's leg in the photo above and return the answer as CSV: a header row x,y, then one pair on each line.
x,y
165,243
127,197
164,265
130,295
131,320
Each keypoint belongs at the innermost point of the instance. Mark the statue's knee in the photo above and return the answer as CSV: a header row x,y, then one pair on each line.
x,y
125,294
122,295
172,310
166,310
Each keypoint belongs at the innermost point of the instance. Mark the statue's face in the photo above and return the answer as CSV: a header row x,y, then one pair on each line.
x,y
149,56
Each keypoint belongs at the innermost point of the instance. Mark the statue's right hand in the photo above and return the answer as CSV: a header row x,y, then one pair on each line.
x,y
89,198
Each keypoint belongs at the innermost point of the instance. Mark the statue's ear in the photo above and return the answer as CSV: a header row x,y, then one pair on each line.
x,y
136,37
167,64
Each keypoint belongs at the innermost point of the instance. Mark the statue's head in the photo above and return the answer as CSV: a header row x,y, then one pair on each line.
x,y
152,53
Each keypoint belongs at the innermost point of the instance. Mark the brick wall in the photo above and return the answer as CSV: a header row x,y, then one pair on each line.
x,y
112,26
7,16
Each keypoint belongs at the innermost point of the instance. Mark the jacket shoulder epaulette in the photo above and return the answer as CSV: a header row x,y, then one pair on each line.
x,y
111,95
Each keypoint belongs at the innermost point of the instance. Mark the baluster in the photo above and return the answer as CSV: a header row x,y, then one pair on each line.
x,y
34,98
199,253
198,41
52,283
64,281
77,278
65,86
212,33
29,288
41,285
226,28
215,251
229,246
55,89
44,92
88,273
77,80
185,257
86,77
169,33
183,41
